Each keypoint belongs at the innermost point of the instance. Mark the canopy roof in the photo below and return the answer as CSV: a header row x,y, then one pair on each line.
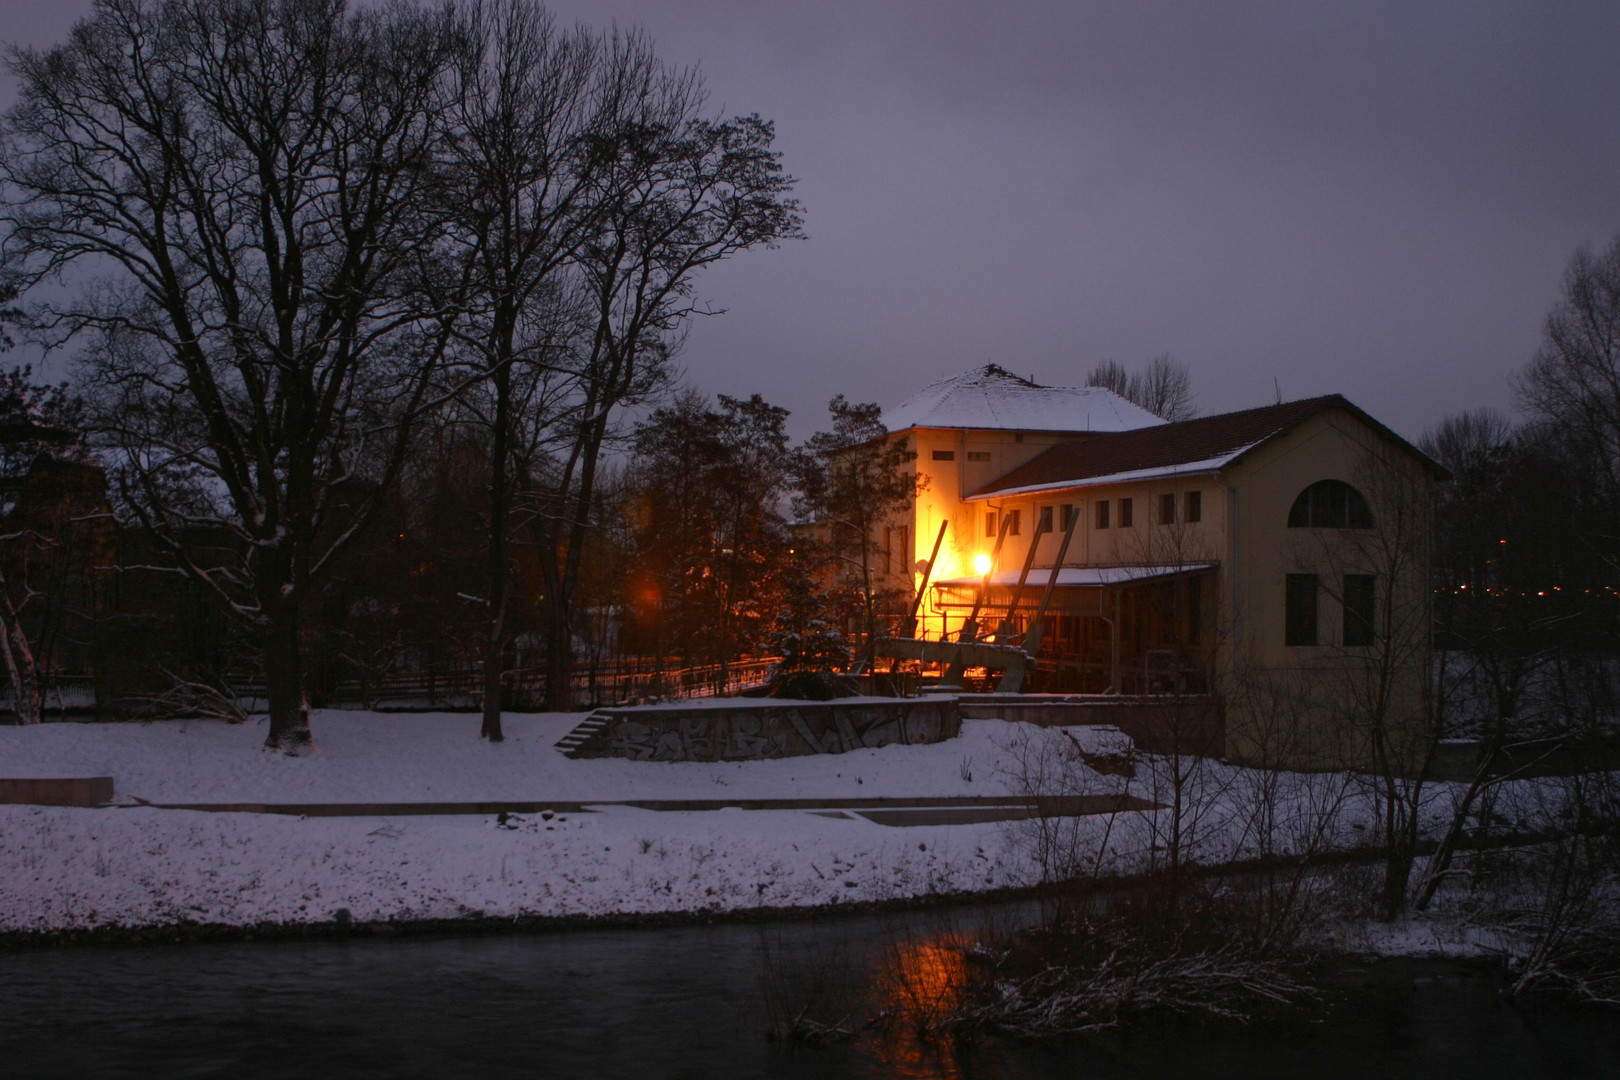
x,y
1094,577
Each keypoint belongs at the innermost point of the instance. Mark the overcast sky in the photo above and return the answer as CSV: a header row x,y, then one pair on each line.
x,y
1371,199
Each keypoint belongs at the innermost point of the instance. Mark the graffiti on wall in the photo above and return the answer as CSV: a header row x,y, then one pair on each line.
x,y
771,730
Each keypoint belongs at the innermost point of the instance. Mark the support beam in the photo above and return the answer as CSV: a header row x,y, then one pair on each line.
x,y
970,628
922,590
1032,638
1042,527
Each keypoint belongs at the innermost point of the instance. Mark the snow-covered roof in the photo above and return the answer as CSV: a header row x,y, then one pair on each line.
x,y
992,398
1129,476
1083,576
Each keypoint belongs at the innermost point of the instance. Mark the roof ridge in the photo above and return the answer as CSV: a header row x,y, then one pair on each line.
x,y
1210,443
992,398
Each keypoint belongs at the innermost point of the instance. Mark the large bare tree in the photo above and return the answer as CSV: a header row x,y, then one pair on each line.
x,y
243,189
589,191
680,192
533,105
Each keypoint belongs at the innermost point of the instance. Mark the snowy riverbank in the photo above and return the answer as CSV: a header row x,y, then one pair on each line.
x,y
135,866
138,866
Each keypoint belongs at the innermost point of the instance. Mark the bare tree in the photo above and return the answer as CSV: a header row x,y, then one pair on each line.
x,y
1574,379
524,153
681,192
244,188
1163,387
1375,571
854,480
1111,375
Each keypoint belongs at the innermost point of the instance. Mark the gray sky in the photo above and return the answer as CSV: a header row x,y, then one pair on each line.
x,y
1371,199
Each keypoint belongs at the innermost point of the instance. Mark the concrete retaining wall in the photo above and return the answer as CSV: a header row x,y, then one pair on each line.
x,y
769,729
1186,724
65,791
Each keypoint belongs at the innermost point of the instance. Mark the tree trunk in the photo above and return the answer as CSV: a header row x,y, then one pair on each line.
x,y
494,659
284,684
559,659
1397,875
25,695
495,587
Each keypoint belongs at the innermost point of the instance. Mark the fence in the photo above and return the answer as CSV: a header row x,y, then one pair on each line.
x,y
618,682
614,683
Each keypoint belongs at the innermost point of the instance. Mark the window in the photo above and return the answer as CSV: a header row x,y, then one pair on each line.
x,y
1043,520
1301,628
978,455
1167,509
1330,504
946,455
896,549
1014,519
1358,609
1102,513
1195,609
1066,515
990,523
1195,506
1125,508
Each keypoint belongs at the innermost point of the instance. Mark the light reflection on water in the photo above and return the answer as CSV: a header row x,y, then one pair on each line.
x,y
691,1002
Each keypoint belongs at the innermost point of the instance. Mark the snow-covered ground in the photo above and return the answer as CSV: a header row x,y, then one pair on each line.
x,y
141,866
66,868
438,757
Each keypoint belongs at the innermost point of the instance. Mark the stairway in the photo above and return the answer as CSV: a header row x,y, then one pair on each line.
x,y
593,725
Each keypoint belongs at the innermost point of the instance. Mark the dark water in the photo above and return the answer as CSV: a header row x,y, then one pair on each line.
x,y
690,1002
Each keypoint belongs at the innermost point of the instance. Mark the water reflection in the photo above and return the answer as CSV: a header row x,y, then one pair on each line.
x,y
696,1002
919,984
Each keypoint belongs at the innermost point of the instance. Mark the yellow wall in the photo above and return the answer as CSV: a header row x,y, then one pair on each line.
x,y
1323,691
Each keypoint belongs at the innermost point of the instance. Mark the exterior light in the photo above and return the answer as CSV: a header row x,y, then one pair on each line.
x,y
981,564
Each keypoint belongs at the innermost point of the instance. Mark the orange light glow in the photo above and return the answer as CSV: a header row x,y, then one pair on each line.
x,y
981,564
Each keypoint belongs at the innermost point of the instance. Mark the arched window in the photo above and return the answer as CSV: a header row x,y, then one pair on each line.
x,y
1330,504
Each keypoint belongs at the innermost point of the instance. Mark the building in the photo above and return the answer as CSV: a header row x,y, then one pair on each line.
x,y
1273,559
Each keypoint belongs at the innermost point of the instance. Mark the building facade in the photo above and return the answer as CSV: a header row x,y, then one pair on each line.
x,y
1274,559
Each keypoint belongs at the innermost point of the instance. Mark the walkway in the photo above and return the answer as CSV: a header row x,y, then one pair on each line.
x,y
930,810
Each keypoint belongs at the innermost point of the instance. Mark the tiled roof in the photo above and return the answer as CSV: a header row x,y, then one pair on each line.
x,y
994,399
1206,444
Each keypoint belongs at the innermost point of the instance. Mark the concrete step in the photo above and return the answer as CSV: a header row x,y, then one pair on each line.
x,y
571,744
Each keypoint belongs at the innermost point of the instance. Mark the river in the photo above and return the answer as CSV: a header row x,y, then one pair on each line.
x,y
694,1002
